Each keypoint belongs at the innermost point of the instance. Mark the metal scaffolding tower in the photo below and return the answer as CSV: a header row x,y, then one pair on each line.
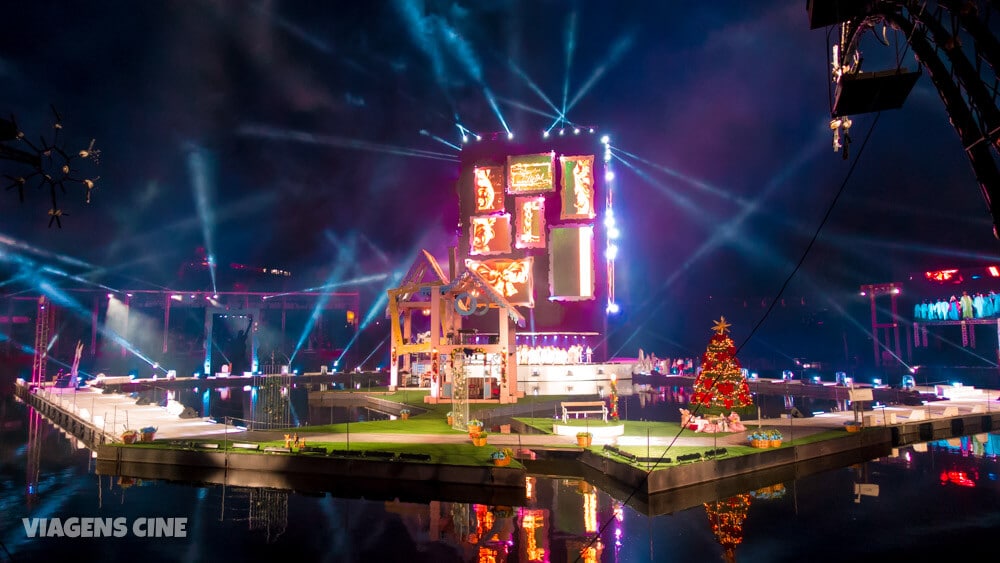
x,y
43,327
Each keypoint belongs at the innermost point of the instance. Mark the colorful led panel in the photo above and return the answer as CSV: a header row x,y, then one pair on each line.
x,y
488,183
530,173
571,263
530,222
489,234
577,187
511,278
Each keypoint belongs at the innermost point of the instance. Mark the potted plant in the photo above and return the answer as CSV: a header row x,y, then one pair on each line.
x,y
584,439
853,426
130,436
775,437
479,439
475,427
451,418
502,457
147,433
404,414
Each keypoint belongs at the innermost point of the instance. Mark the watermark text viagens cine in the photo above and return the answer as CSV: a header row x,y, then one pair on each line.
x,y
105,527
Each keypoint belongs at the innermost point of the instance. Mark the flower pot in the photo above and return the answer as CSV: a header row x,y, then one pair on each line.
x,y
475,429
775,443
130,438
147,436
451,421
584,441
405,416
479,441
853,427
501,462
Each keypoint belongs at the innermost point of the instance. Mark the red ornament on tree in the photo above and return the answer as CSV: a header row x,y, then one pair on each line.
x,y
721,382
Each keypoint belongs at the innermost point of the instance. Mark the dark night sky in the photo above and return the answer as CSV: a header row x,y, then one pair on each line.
x,y
290,106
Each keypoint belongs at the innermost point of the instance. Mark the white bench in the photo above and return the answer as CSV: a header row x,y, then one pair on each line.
x,y
949,411
916,414
583,407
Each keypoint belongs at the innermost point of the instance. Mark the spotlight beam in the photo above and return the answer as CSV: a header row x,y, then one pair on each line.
x,y
729,231
426,133
618,50
526,107
704,186
199,172
382,301
570,47
533,87
275,134
345,258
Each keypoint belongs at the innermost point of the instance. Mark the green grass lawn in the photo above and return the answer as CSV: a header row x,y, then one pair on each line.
x,y
632,427
447,454
427,423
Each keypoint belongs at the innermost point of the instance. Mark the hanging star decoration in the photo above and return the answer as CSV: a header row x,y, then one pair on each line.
x,y
721,326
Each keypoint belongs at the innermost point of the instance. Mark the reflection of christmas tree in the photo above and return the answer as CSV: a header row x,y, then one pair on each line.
x,y
726,518
721,382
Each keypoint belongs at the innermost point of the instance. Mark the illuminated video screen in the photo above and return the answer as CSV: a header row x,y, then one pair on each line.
x,y
571,263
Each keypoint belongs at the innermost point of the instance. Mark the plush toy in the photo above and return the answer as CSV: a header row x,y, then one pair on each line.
x,y
734,423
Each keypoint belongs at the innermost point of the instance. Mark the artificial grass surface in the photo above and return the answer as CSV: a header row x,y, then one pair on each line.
x,y
446,454
632,427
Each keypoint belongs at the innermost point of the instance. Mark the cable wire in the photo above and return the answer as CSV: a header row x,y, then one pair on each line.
x,y
777,297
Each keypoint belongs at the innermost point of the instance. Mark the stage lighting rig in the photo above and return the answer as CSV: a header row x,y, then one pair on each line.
x,y
45,164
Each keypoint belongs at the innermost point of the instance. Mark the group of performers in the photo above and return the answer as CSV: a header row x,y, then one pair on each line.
x,y
574,354
665,366
964,307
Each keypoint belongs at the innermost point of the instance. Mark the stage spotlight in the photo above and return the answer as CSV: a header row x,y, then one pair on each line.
x,y
562,131
605,139
545,134
129,294
111,296
465,138
576,130
479,137
591,129
608,176
613,308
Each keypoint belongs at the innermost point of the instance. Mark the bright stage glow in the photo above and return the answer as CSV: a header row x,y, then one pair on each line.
x,y
605,139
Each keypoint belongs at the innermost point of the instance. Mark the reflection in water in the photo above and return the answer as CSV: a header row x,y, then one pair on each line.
x,y
726,518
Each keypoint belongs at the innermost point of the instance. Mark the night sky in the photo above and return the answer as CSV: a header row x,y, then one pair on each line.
x,y
310,126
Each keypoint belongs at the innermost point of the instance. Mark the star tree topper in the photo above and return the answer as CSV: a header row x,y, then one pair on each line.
x,y
721,326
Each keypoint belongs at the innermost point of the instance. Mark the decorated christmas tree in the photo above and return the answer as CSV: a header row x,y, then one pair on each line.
x,y
721,382
726,518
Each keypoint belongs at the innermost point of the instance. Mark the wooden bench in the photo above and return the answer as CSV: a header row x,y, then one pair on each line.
x,y
583,407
